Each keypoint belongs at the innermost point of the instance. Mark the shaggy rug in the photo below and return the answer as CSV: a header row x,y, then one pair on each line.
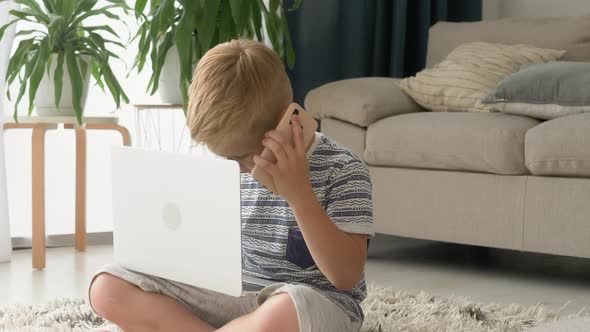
x,y
385,309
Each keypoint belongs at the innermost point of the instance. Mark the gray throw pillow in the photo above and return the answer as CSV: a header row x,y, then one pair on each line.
x,y
544,91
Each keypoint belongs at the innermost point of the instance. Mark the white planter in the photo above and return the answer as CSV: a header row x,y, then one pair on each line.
x,y
168,84
5,48
45,98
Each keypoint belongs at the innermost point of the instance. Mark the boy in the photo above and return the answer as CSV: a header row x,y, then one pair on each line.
x,y
311,239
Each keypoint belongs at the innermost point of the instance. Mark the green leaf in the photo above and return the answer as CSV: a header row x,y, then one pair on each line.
x,y
56,21
166,14
101,42
67,10
58,78
183,90
49,6
77,82
97,75
257,19
207,24
271,26
16,61
30,65
101,28
28,15
154,60
85,5
236,6
227,28
120,3
245,26
21,93
6,26
295,5
143,51
34,6
183,42
114,86
95,12
139,7
290,50
197,51
83,67
155,3
165,46
154,31
274,6
27,32
141,31
38,72
49,63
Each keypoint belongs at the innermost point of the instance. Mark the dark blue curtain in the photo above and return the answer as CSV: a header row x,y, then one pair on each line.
x,y
339,39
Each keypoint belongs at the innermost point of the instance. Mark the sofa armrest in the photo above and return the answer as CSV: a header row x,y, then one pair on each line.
x,y
360,101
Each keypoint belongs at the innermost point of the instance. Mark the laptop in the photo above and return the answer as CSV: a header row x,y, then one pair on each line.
x,y
178,216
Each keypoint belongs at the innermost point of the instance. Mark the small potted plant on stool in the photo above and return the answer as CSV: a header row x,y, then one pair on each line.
x,y
56,58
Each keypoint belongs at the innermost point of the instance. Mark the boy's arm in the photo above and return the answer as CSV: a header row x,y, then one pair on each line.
x,y
340,256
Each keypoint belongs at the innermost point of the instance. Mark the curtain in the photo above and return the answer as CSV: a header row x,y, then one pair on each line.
x,y
340,39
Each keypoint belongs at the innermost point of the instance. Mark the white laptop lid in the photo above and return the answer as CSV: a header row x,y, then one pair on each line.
x,y
178,217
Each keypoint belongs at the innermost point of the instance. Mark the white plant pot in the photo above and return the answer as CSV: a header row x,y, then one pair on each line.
x,y
168,84
5,48
45,98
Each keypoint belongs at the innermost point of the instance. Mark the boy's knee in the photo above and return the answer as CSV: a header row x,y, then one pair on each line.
x,y
278,313
107,295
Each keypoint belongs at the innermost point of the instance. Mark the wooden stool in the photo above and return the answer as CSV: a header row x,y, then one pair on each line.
x,y
40,125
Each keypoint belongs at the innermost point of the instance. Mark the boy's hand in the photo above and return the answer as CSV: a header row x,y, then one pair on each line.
x,y
291,171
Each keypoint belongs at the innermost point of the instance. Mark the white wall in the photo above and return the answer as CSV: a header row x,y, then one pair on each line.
x,y
5,45
493,9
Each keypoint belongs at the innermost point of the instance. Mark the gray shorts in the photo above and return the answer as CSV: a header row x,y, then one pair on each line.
x,y
315,312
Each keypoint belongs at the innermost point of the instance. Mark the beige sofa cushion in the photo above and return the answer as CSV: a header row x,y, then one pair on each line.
x,y
560,147
361,101
469,73
479,142
347,134
563,33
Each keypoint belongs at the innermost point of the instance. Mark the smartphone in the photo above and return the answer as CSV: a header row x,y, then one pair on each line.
x,y
284,129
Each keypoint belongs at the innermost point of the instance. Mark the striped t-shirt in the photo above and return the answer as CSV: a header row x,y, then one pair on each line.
x,y
273,246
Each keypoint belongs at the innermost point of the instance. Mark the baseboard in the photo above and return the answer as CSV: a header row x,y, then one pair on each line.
x,y
64,240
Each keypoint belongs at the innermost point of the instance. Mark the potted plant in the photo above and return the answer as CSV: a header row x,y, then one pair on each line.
x,y
176,33
55,59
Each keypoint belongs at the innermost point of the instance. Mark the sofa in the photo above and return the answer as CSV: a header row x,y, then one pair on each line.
x,y
484,179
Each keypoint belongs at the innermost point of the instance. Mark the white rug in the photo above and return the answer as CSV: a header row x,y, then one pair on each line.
x,y
385,310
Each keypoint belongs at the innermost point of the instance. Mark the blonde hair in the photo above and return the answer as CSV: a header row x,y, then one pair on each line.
x,y
237,92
